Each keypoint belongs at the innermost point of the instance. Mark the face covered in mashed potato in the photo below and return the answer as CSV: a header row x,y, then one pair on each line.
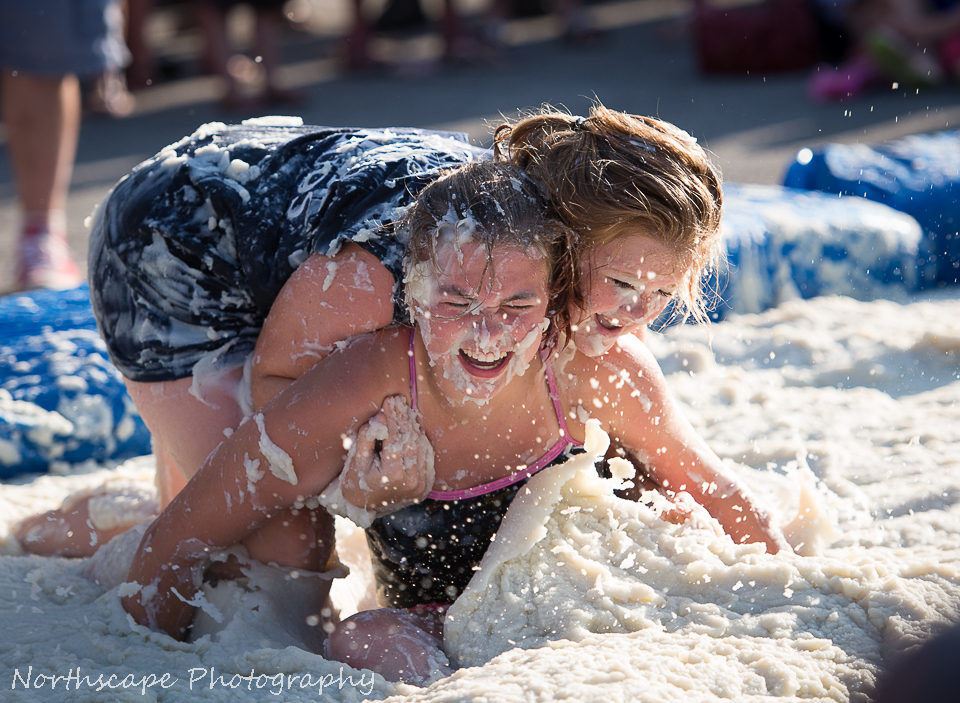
x,y
629,282
481,319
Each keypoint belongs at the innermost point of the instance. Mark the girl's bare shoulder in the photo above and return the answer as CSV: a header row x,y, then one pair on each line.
x,y
629,362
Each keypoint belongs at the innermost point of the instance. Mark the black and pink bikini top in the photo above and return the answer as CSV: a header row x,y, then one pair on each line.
x,y
426,553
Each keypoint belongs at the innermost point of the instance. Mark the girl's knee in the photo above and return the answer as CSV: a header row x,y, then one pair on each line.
x,y
351,639
389,642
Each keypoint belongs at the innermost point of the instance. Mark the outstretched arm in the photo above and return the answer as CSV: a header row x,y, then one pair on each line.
x,y
640,413
243,483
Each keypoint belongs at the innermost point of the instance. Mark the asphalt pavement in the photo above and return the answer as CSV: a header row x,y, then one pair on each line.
x,y
645,63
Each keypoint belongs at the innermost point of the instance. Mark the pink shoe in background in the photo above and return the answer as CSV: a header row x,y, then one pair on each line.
x,y
44,261
850,79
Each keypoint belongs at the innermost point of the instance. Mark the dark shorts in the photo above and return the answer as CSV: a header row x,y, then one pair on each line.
x,y
190,250
57,37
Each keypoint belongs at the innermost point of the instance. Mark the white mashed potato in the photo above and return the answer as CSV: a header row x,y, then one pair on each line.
x,y
590,598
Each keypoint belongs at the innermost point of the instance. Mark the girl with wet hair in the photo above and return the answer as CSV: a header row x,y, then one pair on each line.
x,y
228,265
447,418
633,189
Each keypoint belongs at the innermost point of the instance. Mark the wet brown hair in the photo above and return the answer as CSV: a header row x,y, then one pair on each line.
x,y
611,174
496,204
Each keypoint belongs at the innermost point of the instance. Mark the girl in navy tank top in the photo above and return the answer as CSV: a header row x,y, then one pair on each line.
x,y
481,393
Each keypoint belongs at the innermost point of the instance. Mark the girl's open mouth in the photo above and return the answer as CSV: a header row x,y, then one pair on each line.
x,y
484,364
606,323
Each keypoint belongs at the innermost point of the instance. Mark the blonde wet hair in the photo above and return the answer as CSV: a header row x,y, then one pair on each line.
x,y
612,174
494,204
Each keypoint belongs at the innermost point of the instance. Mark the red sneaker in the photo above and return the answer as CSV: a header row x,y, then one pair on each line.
x,y
44,261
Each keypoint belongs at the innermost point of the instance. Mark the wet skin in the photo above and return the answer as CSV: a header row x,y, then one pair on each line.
x,y
478,333
627,284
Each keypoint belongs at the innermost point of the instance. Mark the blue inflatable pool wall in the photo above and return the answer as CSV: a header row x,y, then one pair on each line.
x,y
60,397
918,175
783,243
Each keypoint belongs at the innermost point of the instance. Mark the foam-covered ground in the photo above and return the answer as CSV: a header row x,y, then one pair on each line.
x,y
848,412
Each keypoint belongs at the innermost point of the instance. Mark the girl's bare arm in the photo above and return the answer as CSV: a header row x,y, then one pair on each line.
x,y
637,409
325,301
286,454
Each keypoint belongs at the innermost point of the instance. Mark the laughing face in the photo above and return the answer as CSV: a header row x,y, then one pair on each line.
x,y
630,281
480,334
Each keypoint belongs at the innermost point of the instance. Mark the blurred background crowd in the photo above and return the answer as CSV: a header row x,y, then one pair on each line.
x,y
62,59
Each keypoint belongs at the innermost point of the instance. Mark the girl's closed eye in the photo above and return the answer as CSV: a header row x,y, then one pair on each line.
x,y
628,286
456,303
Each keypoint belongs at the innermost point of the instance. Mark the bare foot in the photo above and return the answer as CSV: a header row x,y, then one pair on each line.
x,y
59,533
84,523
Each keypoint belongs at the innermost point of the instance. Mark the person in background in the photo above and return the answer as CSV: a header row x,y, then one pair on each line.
x,y
911,42
45,47
211,17
142,71
466,39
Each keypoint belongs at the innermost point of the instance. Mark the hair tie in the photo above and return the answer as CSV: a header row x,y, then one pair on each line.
x,y
578,123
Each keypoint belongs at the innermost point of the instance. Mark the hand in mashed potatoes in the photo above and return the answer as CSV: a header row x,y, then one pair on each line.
x,y
390,464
